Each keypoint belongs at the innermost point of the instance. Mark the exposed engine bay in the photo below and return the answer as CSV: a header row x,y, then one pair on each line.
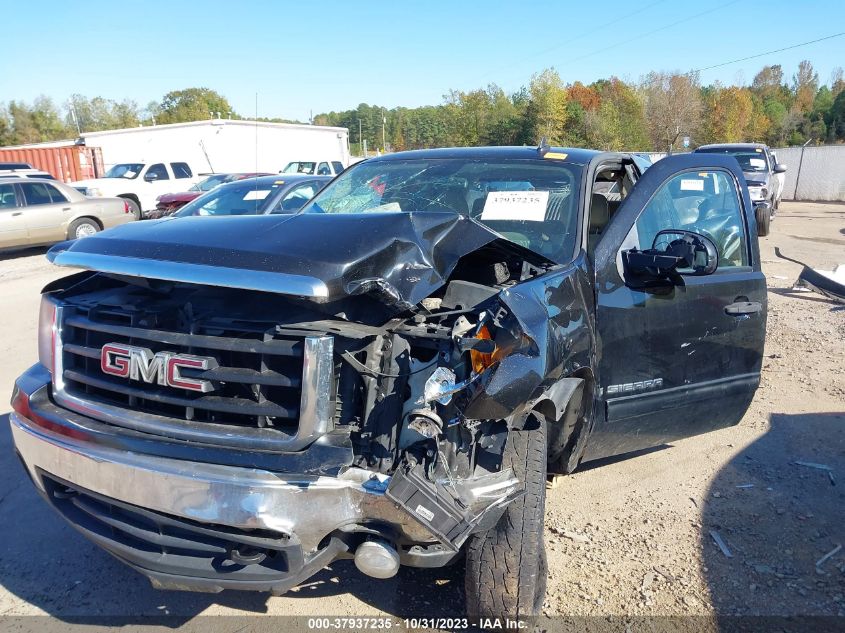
x,y
410,393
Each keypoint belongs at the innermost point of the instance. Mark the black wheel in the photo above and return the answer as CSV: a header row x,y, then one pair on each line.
x,y
764,220
83,227
506,566
134,208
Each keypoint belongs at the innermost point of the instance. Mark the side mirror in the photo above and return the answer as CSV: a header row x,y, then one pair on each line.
x,y
151,176
687,254
780,168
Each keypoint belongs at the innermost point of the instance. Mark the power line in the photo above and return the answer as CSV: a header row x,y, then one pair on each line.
x,y
657,30
584,34
596,30
777,50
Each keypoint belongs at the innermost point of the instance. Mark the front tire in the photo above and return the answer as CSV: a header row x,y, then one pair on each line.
x,y
764,220
83,227
506,566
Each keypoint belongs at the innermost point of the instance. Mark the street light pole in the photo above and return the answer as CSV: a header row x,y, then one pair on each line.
x,y
360,138
383,127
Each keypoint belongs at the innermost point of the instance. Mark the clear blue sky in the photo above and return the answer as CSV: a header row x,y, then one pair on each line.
x,y
328,55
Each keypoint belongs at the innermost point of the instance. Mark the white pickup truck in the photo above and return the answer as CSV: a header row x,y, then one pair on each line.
x,y
139,183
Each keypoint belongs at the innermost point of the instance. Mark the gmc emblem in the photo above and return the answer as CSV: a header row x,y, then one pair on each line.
x,y
163,368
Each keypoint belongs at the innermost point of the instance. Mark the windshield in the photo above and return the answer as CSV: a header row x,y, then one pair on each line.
x,y
749,160
125,170
530,202
244,197
210,183
300,168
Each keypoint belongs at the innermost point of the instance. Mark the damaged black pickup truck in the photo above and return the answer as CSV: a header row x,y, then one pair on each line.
x,y
390,374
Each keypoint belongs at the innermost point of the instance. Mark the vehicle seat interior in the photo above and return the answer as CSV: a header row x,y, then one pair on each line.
x,y
721,226
600,214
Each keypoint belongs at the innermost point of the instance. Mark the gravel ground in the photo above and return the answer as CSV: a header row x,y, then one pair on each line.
x,y
626,537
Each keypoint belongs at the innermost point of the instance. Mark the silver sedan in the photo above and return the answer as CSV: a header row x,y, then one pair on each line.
x,y
35,212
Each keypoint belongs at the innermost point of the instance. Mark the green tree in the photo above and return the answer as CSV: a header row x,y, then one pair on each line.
x,y
805,83
101,114
728,112
672,106
192,104
837,81
768,83
35,123
836,118
627,112
546,111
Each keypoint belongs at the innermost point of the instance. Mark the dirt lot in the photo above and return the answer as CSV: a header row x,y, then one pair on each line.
x,y
631,537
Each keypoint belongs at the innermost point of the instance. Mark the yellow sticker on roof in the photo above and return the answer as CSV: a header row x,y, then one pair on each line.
x,y
758,150
278,182
555,155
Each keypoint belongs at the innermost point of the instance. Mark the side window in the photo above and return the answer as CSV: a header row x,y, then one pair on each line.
x,y
296,198
8,199
181,170
705,202
338,166
56,195
159,169
36,193
324,170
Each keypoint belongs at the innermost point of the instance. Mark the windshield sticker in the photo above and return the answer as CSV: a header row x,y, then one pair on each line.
x,y
692,184
129,173
278,182
758,150
757,163
516,205
555,155
257,194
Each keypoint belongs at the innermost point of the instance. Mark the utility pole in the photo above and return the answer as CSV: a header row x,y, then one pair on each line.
x,y
360,138
75,119
383,127
798,175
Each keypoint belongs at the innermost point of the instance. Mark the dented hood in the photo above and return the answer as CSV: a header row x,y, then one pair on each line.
x,y
399,258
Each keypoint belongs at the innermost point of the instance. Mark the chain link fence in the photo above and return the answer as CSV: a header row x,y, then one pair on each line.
x,y
813,173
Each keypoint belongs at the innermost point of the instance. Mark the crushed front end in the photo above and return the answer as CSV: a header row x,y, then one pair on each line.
x,y
215,437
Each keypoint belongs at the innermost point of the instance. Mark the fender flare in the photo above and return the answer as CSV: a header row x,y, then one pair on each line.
x,y
567,406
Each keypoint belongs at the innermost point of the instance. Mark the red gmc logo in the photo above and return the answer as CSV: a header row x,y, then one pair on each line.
x,y
163,368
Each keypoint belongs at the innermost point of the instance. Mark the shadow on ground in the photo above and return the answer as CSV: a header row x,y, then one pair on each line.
x,y
45,563
777,518
22,252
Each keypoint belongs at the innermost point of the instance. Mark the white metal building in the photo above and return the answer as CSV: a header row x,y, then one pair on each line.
x,y
223,145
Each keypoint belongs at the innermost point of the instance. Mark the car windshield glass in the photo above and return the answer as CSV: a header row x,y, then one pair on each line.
x,y
300,168
530,202
241,198
125,170
210,183
749,160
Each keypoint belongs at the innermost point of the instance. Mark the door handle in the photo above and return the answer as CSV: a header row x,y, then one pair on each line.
x,y
65,208
743,307
16,213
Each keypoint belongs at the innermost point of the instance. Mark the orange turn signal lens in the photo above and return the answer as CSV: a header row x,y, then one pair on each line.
x,y
481,361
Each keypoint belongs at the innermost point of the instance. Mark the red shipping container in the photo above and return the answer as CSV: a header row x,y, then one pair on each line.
x,y
66,163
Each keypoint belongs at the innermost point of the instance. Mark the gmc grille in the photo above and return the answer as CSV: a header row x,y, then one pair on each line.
x,y
271,391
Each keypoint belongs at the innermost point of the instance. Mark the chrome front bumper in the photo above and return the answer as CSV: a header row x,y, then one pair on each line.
x,y
307,509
